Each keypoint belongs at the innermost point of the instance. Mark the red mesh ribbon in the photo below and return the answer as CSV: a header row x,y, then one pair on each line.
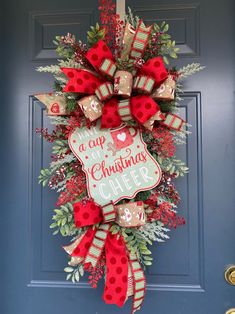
x,y
142,109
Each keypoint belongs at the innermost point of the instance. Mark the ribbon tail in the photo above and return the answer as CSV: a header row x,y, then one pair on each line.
x,y
116,271
174,122
86,213
97,246
139,283
79,248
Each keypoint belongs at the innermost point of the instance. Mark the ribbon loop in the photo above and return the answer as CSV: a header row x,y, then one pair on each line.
x,y
155,69
87,213
109,212
124,110
141,107
144,84
140,41
98,53
174,122
108,67
104,91
91,107
80,81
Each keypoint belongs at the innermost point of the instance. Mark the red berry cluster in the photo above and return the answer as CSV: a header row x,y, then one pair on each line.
x,y
74,187
166,215
96,273
163,142
111,23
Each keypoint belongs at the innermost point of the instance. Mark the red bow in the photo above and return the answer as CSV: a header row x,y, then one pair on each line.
x,y
141,108
155,69
120,265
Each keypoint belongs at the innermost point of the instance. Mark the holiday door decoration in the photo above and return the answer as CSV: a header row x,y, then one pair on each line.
x,y
114,108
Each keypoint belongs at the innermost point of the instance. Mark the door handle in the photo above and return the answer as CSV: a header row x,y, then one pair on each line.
x,y
229,276
230,311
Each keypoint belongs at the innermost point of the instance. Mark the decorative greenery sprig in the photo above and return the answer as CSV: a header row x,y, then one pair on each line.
x,y
189,69
95,33
63,221
74,273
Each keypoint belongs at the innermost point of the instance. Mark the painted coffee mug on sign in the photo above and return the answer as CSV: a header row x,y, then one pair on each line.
x,y
123,137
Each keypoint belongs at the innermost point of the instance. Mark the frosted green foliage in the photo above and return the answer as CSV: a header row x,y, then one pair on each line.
x,y
154,231
190,69
57,120
60,162
173,166
74,273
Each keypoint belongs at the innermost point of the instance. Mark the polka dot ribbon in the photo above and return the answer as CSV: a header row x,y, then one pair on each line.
x,y
89,213
121,268
141,108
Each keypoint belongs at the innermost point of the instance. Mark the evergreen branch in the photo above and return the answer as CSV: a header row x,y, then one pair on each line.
x,y
190,69
61,185
58,120
60,162
60,147
56,69
154,231
53,69
44,177
130,18
174,166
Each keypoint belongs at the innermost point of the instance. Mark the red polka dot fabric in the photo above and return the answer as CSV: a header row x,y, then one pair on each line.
x,y
117,271
86,214
110,117
143,108
81,81
82,249
155,68
98,53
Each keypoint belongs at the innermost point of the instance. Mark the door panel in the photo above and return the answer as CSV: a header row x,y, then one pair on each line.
x,y
207,193
188,270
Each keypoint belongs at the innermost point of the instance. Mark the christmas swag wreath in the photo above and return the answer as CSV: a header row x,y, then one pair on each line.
x,y
114,108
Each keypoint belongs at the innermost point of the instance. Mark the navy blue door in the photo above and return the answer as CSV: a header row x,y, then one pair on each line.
x,y
188,273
